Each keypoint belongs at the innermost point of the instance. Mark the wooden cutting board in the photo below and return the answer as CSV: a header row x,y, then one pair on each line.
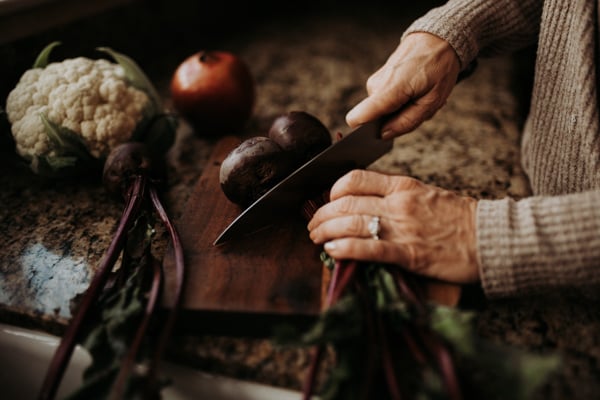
x,y
245,286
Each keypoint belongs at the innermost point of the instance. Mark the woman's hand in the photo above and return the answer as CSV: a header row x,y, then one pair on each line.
x,y
425,229
411,86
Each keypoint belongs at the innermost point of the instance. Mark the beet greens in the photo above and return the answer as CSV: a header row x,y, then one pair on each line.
x,y
117,316
391,343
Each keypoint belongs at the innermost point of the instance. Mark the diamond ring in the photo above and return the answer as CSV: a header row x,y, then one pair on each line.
x,y
374,228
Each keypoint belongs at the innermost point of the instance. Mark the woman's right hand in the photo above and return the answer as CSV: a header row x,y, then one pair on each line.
x,y
411,86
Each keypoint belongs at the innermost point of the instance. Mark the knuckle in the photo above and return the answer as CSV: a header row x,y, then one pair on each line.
x,y
357,226
417,262
411,255
408,183
347,182
345,204
405,207
354,175
371,84
408,122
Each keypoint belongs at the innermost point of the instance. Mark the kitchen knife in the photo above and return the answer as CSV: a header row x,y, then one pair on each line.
x,y
357,149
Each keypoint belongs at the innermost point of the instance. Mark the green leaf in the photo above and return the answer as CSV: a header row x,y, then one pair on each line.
x,y
157,133
338,322
384,287
535,371
498,371
327,260
344,380
134,75
72,158
341,321
59,163
455,326
117,315
42,59
65,141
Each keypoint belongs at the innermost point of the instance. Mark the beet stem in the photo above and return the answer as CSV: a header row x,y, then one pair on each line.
x,y
343,272
315,362
438,351
67,344
120,384
371,338
347,272
180,278
442,358
317,352
449,373
378,335
386,360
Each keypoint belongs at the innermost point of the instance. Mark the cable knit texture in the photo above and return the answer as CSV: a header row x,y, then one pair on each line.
x,y
553,238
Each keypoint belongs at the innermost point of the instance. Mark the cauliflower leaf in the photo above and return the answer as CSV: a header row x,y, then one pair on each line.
x,y
43,58
134,75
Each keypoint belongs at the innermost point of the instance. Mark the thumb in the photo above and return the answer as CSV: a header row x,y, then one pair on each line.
x,y
375,106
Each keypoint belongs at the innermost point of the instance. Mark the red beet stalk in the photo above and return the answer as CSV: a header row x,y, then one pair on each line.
x,y
63,353
120,385
343,274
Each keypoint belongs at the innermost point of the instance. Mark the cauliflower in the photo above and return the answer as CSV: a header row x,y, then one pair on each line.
x,y
78,110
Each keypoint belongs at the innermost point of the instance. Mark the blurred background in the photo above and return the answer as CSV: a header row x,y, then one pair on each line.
x,y
147,30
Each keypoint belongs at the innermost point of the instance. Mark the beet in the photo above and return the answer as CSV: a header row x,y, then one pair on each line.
x,y
252,168
301,134
126,161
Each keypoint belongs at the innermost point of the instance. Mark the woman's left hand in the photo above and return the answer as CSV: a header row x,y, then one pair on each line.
x,y
425,229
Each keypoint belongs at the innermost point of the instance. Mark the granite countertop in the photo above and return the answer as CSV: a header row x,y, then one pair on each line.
x,y
53,234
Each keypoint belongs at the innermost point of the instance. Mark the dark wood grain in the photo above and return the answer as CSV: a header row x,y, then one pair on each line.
x,y
246,285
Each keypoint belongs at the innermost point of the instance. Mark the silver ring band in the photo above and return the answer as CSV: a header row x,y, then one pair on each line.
x,y
374,228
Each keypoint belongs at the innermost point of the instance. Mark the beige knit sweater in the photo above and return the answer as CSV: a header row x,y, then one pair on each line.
x,y
553,238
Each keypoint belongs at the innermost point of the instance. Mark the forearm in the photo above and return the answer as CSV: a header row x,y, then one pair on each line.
x,y
538,243
482,27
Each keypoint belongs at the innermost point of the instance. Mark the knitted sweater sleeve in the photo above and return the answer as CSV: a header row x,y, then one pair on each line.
x,y
551,240
482,27
538,243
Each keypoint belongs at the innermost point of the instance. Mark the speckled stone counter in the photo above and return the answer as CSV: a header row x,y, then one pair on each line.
x,y
53,234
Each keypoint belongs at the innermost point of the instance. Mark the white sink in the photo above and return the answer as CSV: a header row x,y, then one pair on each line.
x,y
25,354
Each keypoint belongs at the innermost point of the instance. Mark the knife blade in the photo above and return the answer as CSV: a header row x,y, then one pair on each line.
x,y
357,149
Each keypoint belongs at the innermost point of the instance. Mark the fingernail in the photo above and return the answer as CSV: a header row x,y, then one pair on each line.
x,y
387,134
329,246
350,115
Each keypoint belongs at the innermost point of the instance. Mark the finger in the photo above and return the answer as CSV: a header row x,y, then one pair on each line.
x,y
345,226
375,106
405,121
377,80
368,250
411,116
360,182
346,206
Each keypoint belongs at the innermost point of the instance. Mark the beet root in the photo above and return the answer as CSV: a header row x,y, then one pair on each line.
x,y
252,168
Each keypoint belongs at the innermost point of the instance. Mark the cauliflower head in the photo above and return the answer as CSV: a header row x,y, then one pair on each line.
x,y
70,114
89,97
